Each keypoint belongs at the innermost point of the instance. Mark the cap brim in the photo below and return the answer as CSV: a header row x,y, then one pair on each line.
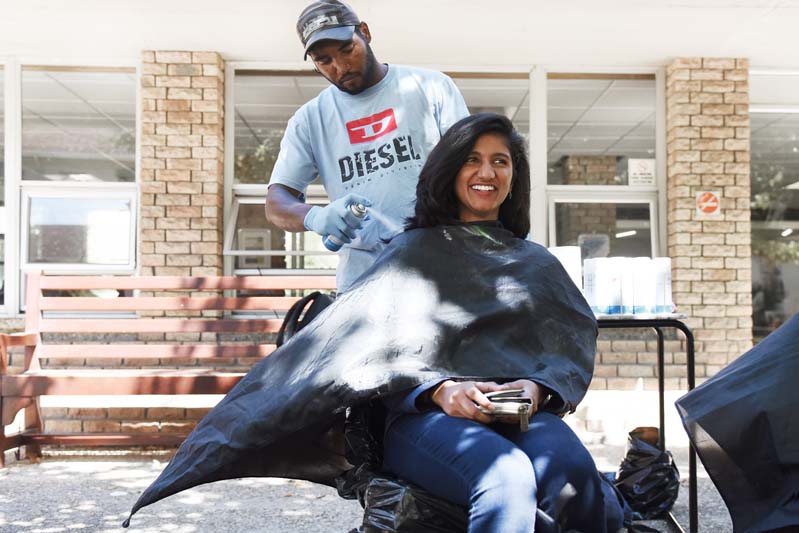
x,y
341,33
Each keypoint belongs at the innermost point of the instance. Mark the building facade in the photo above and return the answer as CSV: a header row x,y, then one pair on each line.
x,y
149,152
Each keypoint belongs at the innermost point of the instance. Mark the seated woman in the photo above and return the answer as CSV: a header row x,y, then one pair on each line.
x,y
436,436
457,306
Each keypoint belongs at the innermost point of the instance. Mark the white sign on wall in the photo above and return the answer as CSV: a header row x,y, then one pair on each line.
x,y
641,171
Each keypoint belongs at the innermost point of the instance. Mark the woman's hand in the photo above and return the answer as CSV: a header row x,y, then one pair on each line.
x,y
531,389
463,399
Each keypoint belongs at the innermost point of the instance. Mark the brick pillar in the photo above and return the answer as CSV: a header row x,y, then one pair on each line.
x,y
707,101
182,161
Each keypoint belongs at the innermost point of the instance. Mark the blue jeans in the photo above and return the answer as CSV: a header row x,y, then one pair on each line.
x,y
511,481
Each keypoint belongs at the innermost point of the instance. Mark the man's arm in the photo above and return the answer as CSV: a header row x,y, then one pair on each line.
x,y
284,208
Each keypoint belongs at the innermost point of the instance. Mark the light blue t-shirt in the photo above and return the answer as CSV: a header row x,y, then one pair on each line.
x,y
374,144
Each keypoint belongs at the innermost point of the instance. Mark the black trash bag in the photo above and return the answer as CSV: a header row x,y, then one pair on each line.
x,y
647,477
363,448
744,425
397,506
295,320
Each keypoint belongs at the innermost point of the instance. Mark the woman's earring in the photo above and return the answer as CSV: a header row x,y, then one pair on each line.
x,y
510,195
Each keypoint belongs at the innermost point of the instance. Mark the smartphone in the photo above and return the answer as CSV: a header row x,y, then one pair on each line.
x,y
507,402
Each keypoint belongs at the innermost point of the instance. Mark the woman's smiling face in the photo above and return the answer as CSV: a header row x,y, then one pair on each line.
x,y
484,180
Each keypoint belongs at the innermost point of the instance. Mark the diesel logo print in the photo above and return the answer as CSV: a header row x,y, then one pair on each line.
x,y
370,128
397,151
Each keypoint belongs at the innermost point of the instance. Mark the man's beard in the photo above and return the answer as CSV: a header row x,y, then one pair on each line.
x,y
367,76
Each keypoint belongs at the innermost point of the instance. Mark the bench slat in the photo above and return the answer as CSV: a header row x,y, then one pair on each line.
x,y
152,351
158,325
188,283
118,382
167,303
105,439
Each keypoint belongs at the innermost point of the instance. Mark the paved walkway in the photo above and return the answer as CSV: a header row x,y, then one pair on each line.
x,y
93,493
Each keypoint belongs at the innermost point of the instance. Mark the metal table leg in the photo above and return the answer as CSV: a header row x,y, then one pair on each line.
x,y
693,511
661,389
656,324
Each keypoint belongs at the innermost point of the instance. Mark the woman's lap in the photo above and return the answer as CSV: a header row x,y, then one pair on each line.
x,y
452,457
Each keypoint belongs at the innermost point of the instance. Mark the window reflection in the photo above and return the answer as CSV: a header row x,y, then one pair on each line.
x,y
264,105
2,139
303,250
94,231
264,102
502,94
600,131
78,126
604,229
775,220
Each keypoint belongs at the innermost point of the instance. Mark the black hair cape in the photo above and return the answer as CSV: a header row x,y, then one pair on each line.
x,y
467,300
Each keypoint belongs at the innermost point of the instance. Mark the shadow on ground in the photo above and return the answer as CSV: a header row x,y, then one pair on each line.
x,y
94,493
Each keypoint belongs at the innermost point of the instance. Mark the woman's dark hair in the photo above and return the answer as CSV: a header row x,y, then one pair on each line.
x,y
436,202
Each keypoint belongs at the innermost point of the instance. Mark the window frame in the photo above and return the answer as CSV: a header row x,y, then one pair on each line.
x,y
12,77
249,194
537,147
543,194
91,191
770,108
15,188
599,194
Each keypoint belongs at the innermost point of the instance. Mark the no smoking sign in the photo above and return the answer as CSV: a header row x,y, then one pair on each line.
x,y
708,203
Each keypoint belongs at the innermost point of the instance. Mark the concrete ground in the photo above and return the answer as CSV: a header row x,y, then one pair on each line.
x,y
94,492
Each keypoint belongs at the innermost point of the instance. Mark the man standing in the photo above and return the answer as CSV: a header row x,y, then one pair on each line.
x,y
367,137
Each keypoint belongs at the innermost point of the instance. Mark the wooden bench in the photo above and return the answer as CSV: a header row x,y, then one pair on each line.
x,y
64,328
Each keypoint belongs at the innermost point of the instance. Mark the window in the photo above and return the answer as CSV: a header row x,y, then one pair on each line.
x,y
2,187
600,131
2,136
78,148
258,247
604,229
775,219
504,94
774,120
74,230
602,179
263,102
78,126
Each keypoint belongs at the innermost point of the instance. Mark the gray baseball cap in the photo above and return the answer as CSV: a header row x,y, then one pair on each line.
x,y
326,19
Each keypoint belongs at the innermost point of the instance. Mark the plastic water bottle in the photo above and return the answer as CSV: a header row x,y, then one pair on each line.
x,y
332,243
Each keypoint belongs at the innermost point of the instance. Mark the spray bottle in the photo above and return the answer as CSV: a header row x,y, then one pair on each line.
x,y
332,243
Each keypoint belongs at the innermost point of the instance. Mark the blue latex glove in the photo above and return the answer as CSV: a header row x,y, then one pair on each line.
x,y
336,219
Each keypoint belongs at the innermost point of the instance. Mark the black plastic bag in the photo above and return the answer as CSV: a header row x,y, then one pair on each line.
x,y
363,448
744,425
295,320
397,506
647,477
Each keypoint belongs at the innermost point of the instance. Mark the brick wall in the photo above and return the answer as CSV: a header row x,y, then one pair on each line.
x,y
180,222
576,219
707,101
589,169
182,163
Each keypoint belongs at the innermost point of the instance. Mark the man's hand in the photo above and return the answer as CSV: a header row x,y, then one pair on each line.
x,y
336,219
463,399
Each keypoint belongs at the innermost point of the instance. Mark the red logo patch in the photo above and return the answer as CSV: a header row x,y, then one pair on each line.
x,y
370,128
